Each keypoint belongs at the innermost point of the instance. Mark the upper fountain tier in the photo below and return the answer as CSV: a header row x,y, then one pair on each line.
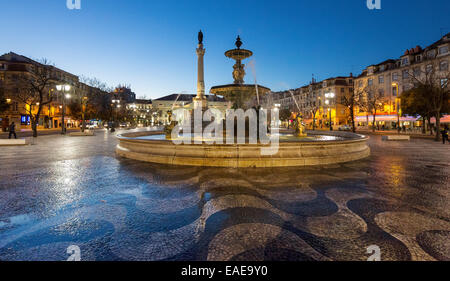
x,y
238,54
239,93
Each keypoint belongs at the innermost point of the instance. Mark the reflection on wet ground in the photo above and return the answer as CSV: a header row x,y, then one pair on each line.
x,y
74,191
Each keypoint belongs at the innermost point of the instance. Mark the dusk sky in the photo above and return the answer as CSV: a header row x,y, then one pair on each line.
x,y
151,44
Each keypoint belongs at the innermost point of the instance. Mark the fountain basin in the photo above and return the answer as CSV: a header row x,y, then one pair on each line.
x,y
238,54
344,147
239,94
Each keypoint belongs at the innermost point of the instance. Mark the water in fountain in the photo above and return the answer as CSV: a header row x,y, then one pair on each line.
x,y
175,102
251,64
296,103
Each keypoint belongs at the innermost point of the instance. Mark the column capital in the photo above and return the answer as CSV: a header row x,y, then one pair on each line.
x,y
200,50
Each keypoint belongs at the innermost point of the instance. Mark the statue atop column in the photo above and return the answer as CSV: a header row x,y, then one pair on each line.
x,y
200,99
200,38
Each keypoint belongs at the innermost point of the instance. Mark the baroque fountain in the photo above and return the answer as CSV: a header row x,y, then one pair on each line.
x,y
269,149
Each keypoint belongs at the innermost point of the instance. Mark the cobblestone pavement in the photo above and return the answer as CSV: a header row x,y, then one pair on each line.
x,y
74,191
29,133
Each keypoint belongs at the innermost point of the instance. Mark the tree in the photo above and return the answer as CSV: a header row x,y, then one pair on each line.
x,y
92,97
432,79
370,101
350,101
414,103
285,115
314,111
33,89
374,102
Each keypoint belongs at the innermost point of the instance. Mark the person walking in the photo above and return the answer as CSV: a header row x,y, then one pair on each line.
x,y
12,130
444,133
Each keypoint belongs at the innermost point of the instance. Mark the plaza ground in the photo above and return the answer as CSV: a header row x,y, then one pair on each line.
x,y
66,191
26,133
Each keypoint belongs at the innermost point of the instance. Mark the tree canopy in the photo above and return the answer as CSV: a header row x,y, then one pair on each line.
x,y
285,114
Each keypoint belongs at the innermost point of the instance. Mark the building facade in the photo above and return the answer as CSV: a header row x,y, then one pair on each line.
x,y
392,77
321,100
142,111
12,68
162,106
15,69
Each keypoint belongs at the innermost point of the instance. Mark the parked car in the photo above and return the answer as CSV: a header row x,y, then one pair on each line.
x,y
345,128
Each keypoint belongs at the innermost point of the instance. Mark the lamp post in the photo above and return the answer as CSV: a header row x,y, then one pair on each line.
x,y
328,101
116,104
398,101
63,89
83,113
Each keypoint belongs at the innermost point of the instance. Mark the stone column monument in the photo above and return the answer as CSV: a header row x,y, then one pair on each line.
x,y
200,99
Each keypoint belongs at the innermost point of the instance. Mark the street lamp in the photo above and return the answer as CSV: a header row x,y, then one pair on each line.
x,y
398,101
63,89
329,97
83,113
116,104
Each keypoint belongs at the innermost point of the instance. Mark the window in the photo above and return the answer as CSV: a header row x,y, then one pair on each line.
x,y
15,106
443,50
429,68
395,76
417,72
381,79
381,92
2,66
360,83
405,61
394,91
444,83
443,66
418,58
405,74
342,90
382,68
431,54
370,82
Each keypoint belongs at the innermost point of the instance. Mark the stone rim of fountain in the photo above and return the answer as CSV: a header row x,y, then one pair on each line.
x,y
290,153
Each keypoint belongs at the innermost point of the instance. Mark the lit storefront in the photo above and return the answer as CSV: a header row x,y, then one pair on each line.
x,y
388,121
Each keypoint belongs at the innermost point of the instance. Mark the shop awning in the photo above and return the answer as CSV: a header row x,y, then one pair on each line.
x,y
386,118
444,119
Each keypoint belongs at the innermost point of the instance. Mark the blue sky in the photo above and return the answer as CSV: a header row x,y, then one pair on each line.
x,y
150,44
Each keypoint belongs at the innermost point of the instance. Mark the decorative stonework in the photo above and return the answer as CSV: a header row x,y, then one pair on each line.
x,y
290,153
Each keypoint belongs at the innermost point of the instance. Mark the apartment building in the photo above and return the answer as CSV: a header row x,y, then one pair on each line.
x,y
13,66
163,105
392,77
321,100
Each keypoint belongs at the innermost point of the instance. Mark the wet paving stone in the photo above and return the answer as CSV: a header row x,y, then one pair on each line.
x,y
66,191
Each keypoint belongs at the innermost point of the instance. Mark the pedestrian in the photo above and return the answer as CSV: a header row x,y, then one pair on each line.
x,y
444,133
12,130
